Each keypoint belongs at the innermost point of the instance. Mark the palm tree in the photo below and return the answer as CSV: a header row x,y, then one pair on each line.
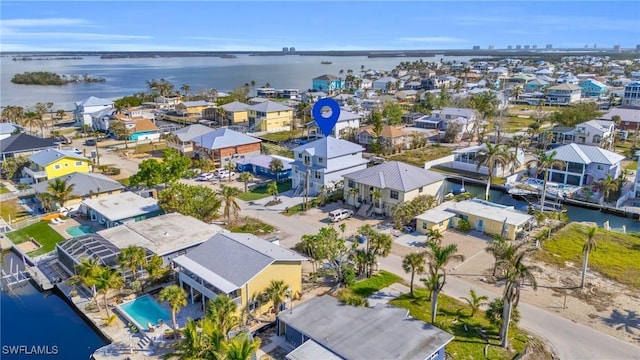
x,y
231,206
241,347
272,189
176,297
438,257
490,157
155,267
276,166
589,245
475,301
514,273
86,273
276,293
185,89
108,279
230,167
121,131
353,192
497,248
608,184
60,190
377,195
543,162
517,91
223,312
434,235
413,263
245,177
517,141
132,257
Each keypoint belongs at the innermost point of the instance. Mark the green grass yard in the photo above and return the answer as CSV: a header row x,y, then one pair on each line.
x,y
260,192
418,157
41,232
616,256
4,190
515,123
283,135
253,226
274,149
12,210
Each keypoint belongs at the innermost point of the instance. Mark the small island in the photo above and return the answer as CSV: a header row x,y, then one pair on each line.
x,y
49,78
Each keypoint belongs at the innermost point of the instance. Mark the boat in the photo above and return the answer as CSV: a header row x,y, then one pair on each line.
x,y
326,62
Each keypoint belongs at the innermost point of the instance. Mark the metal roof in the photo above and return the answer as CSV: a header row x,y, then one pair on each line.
x,y
84,184
191,132
235,106
269,106
586,154
329,147
395,175
223,138
487,210
48,156
94,101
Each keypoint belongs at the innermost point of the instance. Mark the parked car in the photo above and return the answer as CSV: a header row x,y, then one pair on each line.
x,y
64,140
340,214
225,174
90,142
205,177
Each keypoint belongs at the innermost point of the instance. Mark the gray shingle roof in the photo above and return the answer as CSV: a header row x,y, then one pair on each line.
x,y
46,157
326,77
197,103
237,257
269,106
6,128
395,175
84,184
626,114
23,143
330,147
382,332
235,106
586,154
223,138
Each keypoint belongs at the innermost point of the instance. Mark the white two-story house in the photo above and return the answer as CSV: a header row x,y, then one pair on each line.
x,y
584,164
91,108
322,163
596,133
347,121
563,94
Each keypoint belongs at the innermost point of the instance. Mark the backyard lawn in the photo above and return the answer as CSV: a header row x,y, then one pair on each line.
x,y
4,190
615,257
274,149
367,287
12,210
283,135
260,192
515,123
253,226
418,157
41,232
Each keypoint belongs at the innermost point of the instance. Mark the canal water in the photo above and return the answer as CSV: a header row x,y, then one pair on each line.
x,y
575,213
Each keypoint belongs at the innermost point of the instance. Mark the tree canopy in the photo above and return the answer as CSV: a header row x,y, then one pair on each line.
x,y
201,202
152,172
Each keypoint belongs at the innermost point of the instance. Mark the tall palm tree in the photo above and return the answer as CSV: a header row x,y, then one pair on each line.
x,y
272,189
276,166
241,347
276,293
185,89
60,190
438,257
223,312
230,167
608,184
434,235
176,297
497,247
86,272
377,195
543,163
515,273
413,263
108,279
231,206
491,156
245,177
589,245
155,267
475,301
132,257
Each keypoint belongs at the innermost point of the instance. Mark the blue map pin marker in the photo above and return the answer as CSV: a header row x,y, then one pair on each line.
x,y
326,122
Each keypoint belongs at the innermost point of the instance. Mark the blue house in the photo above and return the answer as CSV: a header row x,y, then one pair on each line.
x,y
593,88
259,165
327,83
535,85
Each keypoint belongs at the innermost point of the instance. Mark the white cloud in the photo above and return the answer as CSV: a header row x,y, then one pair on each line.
x,y
48,22
433,39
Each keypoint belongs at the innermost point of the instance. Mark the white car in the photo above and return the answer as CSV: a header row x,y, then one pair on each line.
x,y
205,177
225,174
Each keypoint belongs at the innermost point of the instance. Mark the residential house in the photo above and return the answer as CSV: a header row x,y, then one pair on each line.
x,y
484,216
406,95
327,83
89,108
345,99
260,165
499,71
142,129
183,137
324,328
322,163
631,95
387,83
583,164
168,101
347,121
224,145
120,208
466,160
593,88
560,135
568,78
380,187
23,144
535,85
240,266
85,186
371,104
7,129
563,94
236,113
313,96
193,108
391,137
269,116
53,163
595,132
629,117
168,235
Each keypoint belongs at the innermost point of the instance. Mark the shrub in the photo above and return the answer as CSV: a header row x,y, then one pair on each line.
x,y
355,300
349,276
464,225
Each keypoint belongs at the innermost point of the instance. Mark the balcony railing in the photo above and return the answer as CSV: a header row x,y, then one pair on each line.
x,y
35,173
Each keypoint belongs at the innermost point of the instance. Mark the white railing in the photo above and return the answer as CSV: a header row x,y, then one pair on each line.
x,y
623,199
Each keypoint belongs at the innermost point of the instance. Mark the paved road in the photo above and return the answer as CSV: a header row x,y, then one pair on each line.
x,y
569,340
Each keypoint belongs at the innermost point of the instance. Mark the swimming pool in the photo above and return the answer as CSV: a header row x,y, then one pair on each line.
x,y
143,311
80,230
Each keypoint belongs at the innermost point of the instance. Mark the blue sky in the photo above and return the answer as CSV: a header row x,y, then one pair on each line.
x,y
313,25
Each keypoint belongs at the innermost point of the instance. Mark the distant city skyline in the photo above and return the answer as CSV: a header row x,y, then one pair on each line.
x,y
314,25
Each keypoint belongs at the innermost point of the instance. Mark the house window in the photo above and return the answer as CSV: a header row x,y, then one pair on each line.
x,y
394,195
600,167
56,167
78,163
420,189
424,225
300,156
320,160
352,184
65,165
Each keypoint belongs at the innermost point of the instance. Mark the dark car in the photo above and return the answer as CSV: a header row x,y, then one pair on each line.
x,y
90,142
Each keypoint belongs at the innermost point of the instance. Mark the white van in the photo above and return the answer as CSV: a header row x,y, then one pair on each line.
x,y
340,214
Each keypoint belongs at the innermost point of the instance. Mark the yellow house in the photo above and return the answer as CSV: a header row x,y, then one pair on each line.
x,y
193,107
379,188
53,163
483,216
269,116
236,113
240,266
